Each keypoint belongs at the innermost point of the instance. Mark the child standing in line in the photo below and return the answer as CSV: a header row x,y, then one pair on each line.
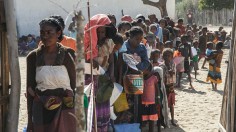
x,y
149,102
155,56
194,61
169,80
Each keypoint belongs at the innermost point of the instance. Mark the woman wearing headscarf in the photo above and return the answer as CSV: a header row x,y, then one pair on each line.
x,y
97,34
51,82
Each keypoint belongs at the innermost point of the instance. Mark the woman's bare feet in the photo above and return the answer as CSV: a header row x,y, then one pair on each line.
x,y
173,123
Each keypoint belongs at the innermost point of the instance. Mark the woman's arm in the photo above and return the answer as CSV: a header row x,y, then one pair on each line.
x,y
30,86
69,63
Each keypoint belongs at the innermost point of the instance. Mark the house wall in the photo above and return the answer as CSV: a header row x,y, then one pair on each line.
x,y
30,13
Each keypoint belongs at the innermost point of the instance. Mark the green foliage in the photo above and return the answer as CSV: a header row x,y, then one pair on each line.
x,y
183,6
216,4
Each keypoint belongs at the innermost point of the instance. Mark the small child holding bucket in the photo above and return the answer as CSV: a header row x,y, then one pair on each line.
x,y
150,98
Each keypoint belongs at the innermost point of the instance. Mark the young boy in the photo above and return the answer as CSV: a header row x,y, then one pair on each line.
x,y
194,61
185,50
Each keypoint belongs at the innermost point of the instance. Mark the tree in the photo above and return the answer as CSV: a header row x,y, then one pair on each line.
x,y
79,93
216,4
161,5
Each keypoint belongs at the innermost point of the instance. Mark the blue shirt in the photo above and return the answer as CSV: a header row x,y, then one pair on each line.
x,y
141,51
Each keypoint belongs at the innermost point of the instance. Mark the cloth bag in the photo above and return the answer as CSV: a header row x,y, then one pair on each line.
x,y
133,83
105,88
121,104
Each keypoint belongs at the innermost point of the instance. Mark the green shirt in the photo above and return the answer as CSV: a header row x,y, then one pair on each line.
x,y
195,58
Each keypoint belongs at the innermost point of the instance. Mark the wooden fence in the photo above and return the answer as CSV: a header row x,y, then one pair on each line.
x,y
213,17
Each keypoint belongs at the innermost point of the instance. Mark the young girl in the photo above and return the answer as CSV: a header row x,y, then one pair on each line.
x,y
169,80
149,102
194,60
214,74
155,56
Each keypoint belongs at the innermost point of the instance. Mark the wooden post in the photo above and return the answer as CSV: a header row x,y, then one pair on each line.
x,y
13,115
231,77
79,94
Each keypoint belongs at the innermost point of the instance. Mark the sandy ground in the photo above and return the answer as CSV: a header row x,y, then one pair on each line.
x,y
195,111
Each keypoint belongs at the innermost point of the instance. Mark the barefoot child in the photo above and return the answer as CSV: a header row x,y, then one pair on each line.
x,y
194,60
214,74
169,80
149,102
185,50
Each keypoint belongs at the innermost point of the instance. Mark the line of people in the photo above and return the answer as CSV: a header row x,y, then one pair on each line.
x,y
146,56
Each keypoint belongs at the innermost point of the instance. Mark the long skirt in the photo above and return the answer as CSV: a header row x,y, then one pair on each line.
x,y
102,109
57,120
214,74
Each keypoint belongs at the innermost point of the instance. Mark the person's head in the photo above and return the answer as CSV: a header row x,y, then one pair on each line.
x,y
153,28
184,39
219,45
200,27
210,45
153,18
147,22
167,54
112,19
140,16
29,38
136,35
194,26
223,32
151,38
127,18
155,55
195,43
167,19
50,31
123,27
204,30
220,28
118,41
178,43
168,44
60,19
163,23
180,22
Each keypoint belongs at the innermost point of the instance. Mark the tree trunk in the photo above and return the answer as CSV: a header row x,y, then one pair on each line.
x,y
12,119
79,93
161,5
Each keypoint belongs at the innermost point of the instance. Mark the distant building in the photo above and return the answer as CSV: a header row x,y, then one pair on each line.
x,y
31,12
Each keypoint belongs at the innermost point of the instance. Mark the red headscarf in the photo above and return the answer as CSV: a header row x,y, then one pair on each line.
x,y
127,18
95,22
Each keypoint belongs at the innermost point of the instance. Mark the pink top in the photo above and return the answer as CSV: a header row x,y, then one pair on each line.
x,y
149,91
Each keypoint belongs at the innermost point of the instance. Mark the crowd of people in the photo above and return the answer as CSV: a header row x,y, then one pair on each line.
x,y
144,55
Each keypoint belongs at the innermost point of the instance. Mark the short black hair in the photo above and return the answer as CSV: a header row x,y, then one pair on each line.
x,y
155,51
167,50
118,39
122,24
220,44
135,30
180,20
